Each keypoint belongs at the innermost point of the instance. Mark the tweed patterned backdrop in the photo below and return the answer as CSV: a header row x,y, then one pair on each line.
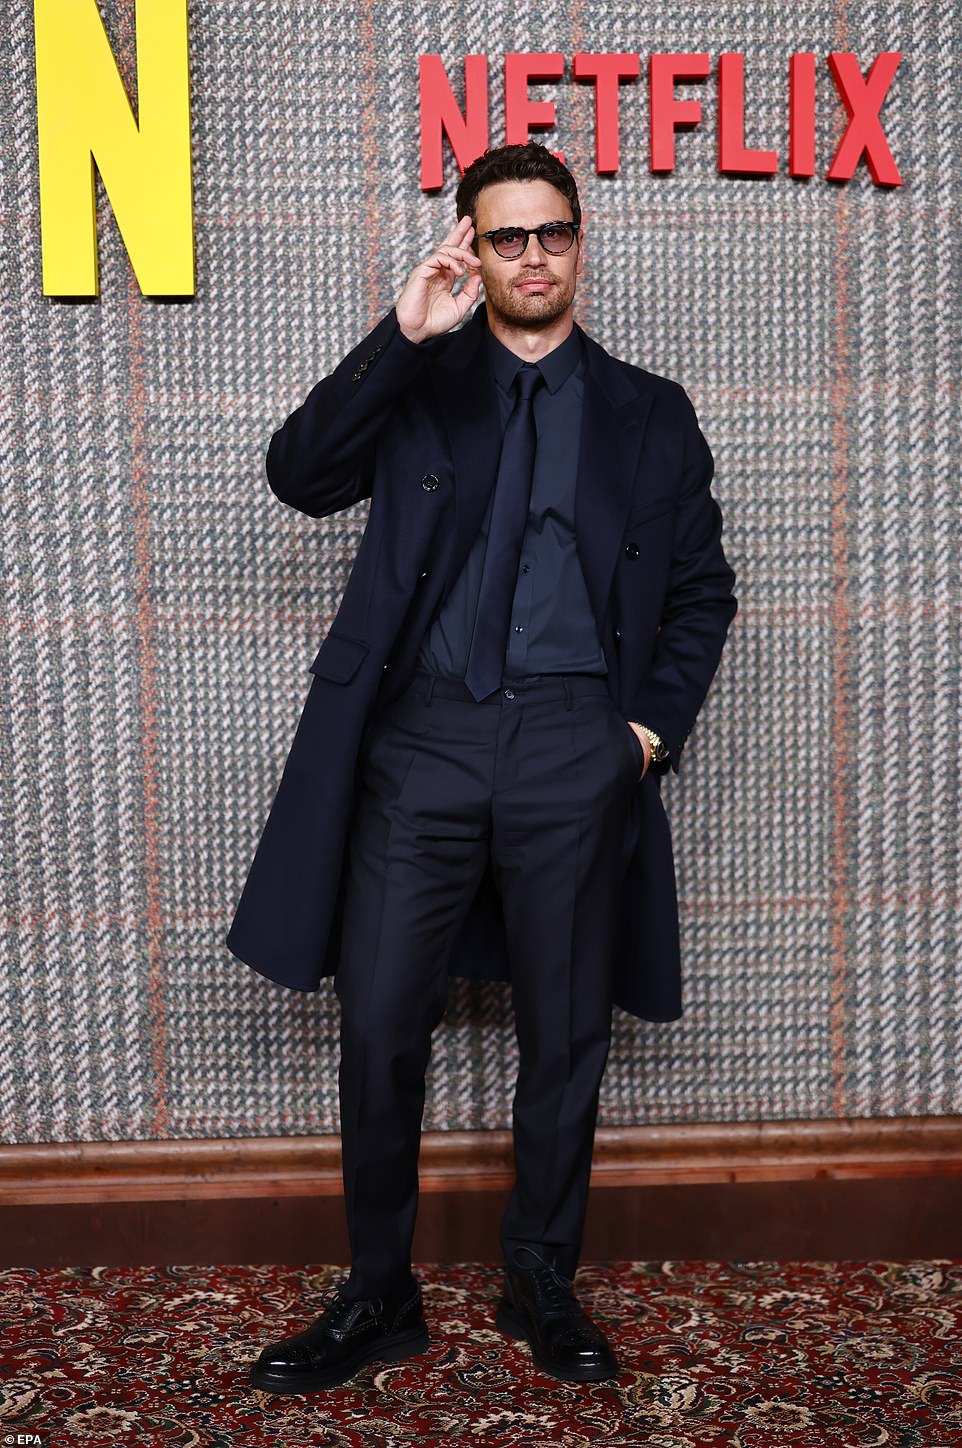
x,y
161,606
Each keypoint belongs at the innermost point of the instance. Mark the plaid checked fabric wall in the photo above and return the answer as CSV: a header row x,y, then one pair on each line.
x,y
161,606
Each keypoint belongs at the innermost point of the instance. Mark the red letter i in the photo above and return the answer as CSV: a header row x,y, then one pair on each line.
x,y
801,114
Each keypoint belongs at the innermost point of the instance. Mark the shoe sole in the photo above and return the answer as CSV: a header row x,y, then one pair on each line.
x,y
509,1322
396,1349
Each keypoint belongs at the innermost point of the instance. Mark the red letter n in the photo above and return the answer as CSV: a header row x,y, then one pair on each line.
x,y
440,116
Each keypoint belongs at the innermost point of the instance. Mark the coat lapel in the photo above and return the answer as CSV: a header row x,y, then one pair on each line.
x,y
464,385
613,422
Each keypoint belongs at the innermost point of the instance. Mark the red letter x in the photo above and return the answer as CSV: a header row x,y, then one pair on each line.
x,y
863,101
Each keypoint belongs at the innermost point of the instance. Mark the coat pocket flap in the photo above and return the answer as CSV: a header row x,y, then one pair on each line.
x,y
653,508
339,658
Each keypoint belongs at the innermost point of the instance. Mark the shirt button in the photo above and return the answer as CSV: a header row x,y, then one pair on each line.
x,y
429,482
509,693
519,628
632,550
618,634
524,568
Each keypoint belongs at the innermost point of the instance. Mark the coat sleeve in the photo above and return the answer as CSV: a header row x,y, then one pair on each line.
x,y
698,608
322,458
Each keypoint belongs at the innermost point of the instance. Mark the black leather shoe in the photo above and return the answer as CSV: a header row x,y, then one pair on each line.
x,y
540,1305
347,1335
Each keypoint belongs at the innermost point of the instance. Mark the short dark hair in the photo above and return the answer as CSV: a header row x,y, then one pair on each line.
x,y
530,162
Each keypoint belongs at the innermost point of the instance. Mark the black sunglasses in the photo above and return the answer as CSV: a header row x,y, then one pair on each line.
x,y
510,242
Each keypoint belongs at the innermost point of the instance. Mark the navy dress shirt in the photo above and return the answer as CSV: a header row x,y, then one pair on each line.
x,y
552,628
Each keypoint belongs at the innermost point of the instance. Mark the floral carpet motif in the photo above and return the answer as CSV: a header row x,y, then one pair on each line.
x,y
846,1355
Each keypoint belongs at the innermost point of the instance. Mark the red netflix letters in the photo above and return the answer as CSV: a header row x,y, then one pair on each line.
x,y
468,133
666,113
607,72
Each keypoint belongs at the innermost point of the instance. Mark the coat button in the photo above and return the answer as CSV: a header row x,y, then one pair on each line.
x,y
429,482
632,550
425,574
618,635
509,693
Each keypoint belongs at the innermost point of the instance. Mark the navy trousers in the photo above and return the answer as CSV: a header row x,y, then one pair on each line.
x,y
538,780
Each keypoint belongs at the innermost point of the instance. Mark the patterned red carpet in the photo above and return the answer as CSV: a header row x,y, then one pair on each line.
x,y
846,1354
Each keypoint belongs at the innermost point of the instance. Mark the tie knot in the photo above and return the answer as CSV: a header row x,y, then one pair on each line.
x,y
527,378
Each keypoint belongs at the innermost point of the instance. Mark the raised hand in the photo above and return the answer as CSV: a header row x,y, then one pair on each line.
x,y
428,305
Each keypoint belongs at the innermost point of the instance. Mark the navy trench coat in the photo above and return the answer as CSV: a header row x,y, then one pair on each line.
x,y
416,430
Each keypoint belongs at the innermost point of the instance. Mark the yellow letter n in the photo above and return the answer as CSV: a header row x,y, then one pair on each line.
x,y
84,116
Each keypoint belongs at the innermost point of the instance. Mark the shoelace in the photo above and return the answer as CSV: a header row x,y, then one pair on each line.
x,y
556,1289
374,1305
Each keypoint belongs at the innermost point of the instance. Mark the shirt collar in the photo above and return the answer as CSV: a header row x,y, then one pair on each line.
x,y
556,367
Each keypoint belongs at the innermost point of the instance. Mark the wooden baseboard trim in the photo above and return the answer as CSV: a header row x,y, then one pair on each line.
x,y
714,1152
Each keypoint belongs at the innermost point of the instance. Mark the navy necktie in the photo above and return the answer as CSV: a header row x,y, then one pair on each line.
x,y
509,514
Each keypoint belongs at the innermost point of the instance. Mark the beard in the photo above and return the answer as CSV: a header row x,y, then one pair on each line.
x,y
530,310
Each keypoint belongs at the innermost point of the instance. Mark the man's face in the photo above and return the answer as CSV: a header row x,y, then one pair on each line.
x,y
536,289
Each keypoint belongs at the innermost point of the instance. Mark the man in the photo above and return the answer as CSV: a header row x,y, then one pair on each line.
x,y
535,614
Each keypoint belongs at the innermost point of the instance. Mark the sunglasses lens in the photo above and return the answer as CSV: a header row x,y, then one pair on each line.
x,y
556,238
509,244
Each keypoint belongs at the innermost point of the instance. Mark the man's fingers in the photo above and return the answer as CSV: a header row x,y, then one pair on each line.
x,y
472,287
468,295
454,254
457,236
460,253
453,237
452,259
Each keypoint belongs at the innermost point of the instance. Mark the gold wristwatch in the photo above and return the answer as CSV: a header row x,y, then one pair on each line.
x,y
658,750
